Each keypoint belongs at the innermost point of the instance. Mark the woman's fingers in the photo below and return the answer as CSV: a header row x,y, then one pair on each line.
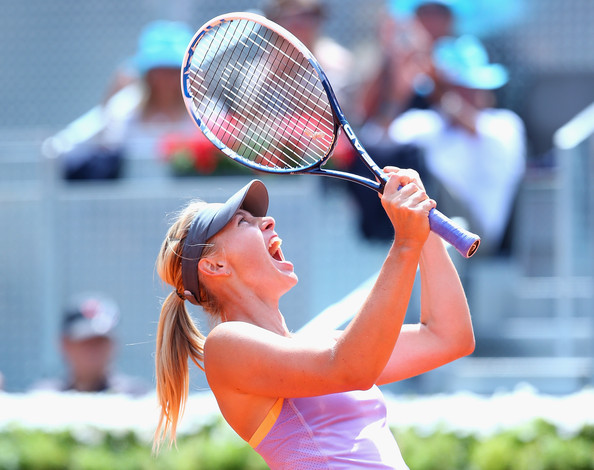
x,y
405,175
407,205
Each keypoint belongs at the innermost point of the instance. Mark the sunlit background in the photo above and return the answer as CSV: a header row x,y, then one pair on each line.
x,y
532,306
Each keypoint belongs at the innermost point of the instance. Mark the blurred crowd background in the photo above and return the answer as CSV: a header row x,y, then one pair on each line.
x,y
488,100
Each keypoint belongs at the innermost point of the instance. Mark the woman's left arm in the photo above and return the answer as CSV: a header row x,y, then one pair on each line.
x,y
445,331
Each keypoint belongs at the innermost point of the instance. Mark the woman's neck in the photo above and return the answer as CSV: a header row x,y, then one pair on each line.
x,y
256,311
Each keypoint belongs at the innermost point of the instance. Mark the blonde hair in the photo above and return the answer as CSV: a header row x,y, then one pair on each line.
x,y
178,338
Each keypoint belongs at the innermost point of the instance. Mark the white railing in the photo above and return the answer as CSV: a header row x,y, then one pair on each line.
x,y
88,126
574,151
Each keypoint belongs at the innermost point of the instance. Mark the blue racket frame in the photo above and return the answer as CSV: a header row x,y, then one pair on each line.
x,y
465,242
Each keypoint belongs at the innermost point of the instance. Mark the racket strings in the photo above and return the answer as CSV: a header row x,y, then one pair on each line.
x,y
300,80
209,51
260,96
269,102
243,99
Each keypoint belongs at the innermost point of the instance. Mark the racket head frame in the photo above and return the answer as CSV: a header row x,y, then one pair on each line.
x,y
187,94
465,242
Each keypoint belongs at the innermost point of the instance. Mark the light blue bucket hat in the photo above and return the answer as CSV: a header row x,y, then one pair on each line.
x,y
162,44
464,62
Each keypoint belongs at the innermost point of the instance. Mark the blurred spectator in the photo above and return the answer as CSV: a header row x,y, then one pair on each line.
x,y
305,19
88,346
158,60
436,17
475,152
480,18
404,77
138,132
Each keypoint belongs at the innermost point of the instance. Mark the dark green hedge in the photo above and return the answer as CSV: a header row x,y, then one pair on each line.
x,y
536,447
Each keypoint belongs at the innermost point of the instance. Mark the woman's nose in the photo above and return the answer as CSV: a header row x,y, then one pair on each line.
x,y
267,223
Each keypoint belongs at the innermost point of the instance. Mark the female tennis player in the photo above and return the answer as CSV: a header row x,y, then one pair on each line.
x,y
302,403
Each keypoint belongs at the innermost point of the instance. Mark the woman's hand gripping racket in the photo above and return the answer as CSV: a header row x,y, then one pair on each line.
x,y
261,97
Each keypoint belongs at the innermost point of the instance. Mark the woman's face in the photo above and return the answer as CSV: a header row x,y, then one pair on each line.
x,y
251,250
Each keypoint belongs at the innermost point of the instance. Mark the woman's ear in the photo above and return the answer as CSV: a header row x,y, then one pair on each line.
x,y
212,267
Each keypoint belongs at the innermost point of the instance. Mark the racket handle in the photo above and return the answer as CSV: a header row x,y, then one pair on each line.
x,y
465,242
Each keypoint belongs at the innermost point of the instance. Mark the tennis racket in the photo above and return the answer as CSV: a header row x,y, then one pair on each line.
x,y
261,97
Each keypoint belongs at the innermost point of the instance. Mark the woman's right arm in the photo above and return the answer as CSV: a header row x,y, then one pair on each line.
x,y
252,360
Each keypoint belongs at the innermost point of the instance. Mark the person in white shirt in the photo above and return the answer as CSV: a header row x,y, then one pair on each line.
x,y
474,151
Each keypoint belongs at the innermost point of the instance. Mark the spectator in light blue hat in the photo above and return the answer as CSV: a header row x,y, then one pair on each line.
x,y
148,107
467,78
403,77
464,62
158,59
162,44
481,18
474,150
161,113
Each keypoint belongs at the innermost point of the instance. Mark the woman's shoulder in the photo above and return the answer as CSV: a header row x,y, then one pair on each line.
x,y
224,332
232,328
228,333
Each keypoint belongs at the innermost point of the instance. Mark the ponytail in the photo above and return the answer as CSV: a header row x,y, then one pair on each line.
x,y
177,340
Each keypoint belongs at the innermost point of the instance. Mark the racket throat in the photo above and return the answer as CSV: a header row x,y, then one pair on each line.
x,y
365,157
368,183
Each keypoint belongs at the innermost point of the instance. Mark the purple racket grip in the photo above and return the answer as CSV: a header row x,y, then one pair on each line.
x,y
465,242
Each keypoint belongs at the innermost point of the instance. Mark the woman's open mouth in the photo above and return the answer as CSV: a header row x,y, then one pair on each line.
x,y
275,250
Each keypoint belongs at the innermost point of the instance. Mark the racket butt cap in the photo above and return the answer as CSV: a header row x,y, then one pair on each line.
x,y
465,242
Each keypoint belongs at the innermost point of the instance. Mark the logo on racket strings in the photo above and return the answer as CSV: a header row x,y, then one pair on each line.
x,y
315,135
